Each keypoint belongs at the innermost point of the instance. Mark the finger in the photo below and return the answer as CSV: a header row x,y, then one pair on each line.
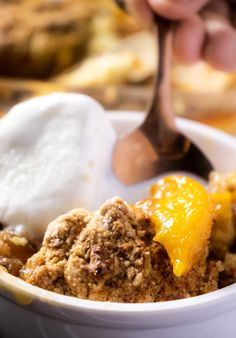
x,y
220,47
177,9
189,40
218,6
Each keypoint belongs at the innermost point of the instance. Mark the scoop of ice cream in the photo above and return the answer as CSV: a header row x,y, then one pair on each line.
x,y
55,152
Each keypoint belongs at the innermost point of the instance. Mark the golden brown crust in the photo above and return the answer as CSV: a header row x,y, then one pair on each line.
x,y
223,182
109,261
224,228
14,251
228,276
41,37
111,256
202,278
46,267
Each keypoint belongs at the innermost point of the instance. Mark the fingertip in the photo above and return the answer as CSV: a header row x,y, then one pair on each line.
x,y
220,47
220,51
189,39
176,9
221,7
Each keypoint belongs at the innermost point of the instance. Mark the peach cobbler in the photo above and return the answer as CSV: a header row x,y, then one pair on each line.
x,y
179,242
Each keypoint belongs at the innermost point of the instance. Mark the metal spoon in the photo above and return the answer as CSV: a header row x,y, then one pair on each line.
x,y
157,146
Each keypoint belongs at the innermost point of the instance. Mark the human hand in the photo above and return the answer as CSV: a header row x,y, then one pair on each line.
x,y
204,29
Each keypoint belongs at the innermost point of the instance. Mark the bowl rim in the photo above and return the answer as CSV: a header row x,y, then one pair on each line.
x,y
138,116
15,286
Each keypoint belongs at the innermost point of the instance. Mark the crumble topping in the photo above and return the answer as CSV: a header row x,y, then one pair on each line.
x,y
110,254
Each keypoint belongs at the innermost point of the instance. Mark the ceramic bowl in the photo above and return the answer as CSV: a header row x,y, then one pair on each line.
x,y
28,311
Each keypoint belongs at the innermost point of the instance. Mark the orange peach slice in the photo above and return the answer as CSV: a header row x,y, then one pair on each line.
x,y
182,212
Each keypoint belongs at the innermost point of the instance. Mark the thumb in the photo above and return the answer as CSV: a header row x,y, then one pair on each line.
x,y
176,9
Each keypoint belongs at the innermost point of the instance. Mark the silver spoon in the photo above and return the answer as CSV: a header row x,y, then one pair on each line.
x,y
157,146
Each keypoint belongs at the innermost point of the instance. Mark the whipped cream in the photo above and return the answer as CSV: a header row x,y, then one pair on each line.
x,y
55,155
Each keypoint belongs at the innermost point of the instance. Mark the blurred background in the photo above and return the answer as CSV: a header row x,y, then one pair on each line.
x,y
94,48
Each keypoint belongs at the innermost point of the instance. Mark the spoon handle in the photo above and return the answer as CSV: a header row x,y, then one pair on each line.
x,y
159,126
160,111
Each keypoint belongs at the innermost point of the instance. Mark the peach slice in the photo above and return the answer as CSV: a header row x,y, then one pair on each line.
x,y
182,211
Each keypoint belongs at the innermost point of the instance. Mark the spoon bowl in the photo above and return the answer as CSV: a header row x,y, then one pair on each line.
x,y
157,146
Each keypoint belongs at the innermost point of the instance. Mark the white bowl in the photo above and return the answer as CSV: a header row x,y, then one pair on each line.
x,y
28,311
